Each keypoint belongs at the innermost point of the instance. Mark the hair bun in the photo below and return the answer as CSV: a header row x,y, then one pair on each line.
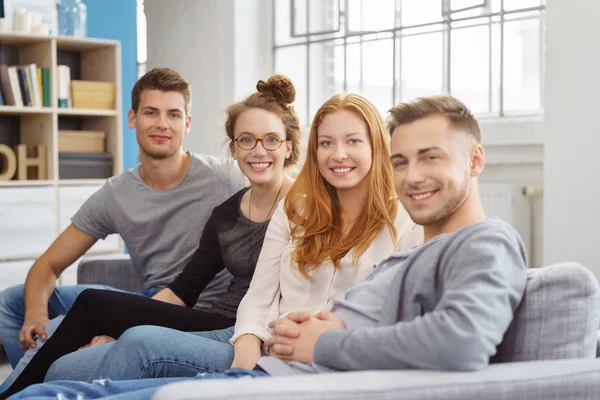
x,y
278,86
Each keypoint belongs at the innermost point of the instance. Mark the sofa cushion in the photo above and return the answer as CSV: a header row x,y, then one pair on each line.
x,y
557,318
537,380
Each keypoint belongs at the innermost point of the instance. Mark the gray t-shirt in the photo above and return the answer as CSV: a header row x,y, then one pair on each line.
x,y
443,304
162,228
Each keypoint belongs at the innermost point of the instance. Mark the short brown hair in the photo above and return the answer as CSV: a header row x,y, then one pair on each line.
x,y
274,95
163,79
454,110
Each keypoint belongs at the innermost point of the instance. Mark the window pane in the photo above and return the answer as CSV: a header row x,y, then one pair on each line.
x,y
378,73
421,65
371,15
299,16
142,34
326,74
467,14
420,12
283,23
353,54
520,4
324,15
291,61
460,4
492,6
469,68
496,68
522,65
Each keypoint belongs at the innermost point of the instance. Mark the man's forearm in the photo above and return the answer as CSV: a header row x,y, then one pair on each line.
x,y
39,285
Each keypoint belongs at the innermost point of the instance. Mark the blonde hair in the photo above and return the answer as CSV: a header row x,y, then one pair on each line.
x,y
312,204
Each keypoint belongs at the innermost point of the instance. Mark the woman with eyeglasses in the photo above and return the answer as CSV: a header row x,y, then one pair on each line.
x,y
264,134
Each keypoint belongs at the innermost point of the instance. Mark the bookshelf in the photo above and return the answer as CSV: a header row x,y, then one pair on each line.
x,y
33,212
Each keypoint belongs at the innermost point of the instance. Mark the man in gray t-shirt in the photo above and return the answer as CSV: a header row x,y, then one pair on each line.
x,y
159,208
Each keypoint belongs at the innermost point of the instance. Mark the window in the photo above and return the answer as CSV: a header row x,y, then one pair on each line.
x,y
142,45
488,53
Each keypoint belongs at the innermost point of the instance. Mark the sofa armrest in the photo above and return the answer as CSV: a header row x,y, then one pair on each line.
x,y
114,270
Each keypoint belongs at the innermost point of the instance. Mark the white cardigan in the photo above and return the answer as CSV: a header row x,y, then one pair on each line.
x,y
278,288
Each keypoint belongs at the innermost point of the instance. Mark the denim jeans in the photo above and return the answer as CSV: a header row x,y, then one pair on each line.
x,y
12,309
148,352
118,390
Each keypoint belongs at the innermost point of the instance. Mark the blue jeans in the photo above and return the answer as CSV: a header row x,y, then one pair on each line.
x,y
12,309
117,390
148,352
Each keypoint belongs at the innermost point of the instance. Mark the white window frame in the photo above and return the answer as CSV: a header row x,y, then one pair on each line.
x,y
500,130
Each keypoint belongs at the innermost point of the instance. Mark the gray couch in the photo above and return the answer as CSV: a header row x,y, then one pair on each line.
x,y
548,352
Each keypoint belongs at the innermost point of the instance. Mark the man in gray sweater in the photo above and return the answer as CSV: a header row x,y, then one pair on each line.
x,y
443,305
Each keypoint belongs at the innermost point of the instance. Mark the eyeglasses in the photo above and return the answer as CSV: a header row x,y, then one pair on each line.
x,y
247,141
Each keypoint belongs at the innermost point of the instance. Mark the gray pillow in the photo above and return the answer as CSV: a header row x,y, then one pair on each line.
x,y
558,317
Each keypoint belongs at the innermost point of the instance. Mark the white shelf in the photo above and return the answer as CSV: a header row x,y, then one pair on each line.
x,y
11,110
86,112
27,183
82,112
62,42
22,39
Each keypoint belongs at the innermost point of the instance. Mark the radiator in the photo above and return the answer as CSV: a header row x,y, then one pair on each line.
x,y
512,204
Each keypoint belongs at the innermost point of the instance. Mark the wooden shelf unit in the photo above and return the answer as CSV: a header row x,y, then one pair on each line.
x,y
88,59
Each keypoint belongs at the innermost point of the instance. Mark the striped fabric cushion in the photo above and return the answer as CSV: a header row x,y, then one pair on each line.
x,y
558,317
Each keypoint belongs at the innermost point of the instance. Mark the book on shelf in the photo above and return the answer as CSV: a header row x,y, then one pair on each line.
x,y
25,85
64,86
5,86
46,85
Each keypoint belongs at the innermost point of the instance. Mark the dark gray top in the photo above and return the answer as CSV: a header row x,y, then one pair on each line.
x,y
230,241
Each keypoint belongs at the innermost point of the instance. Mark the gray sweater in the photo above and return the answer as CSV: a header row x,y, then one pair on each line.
x,y
444,305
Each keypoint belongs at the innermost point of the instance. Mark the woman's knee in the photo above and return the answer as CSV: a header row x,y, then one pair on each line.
x,y
59,370
140,340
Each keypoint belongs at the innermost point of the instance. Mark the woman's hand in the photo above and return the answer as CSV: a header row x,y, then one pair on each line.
x,y
246,352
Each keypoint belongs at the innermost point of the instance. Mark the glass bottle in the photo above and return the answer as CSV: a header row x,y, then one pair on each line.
x,y
72,18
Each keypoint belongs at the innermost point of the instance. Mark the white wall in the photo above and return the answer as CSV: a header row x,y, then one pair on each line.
x,y
572,132
221,46
253,43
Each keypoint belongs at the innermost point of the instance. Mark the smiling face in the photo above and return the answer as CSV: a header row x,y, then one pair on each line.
x,y
344,151
259,165
432,169
160,123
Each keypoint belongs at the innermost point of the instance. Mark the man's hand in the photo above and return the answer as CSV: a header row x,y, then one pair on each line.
x,y
295,337
97,340
33,325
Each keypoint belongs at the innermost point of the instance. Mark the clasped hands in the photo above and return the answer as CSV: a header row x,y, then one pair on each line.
x,y
295,336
